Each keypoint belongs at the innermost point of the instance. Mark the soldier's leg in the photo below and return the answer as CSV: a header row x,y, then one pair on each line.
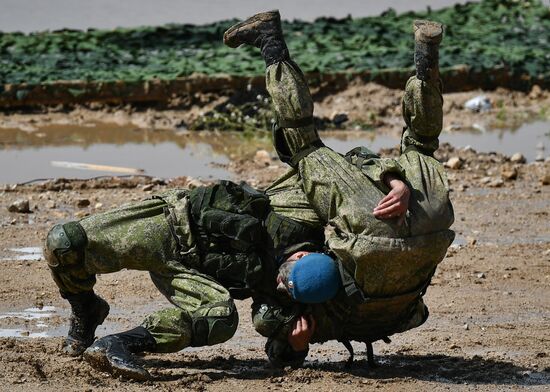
x,y
295,135
422,106
338,192
204,315
135,237
422,103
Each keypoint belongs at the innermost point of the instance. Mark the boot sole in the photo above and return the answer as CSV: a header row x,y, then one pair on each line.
x,y
262,17
99,361
428,31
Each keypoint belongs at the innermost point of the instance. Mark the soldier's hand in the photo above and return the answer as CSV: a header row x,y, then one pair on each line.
x,y
301,333
395,203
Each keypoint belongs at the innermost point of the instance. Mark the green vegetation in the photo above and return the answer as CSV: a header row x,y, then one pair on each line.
x,y
486,35
251,112
248,115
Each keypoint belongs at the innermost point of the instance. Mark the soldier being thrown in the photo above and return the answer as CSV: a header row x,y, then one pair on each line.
x,y
388,237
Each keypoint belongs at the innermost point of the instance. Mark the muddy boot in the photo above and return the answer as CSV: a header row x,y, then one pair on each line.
x,y
427,37
263,31
88,311
113,353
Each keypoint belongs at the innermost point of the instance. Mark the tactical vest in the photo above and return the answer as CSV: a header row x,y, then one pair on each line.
x,y
242,240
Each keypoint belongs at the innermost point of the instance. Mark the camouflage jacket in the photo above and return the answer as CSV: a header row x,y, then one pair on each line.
x,y
231,233
385,268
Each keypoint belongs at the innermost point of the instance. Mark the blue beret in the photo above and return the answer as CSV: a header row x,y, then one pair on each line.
x,y
314,278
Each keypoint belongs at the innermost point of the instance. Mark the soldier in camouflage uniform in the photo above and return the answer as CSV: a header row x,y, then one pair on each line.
x,y
388,243
203,248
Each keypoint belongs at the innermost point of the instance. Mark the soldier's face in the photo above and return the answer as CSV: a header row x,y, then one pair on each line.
x,y
297,255
284,271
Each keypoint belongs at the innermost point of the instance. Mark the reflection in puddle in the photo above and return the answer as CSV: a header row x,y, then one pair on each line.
x,y
20,326
159,153
32,253
30,313
21,333
160,160
532,140
203,154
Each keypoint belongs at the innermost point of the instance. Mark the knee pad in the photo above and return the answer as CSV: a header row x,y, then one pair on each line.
x,y
214,323
65,245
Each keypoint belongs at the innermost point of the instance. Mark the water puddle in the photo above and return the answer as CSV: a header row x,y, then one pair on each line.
x,y
29,323
531,139
30,313
21,333
109,149
106,148
51,321
30,253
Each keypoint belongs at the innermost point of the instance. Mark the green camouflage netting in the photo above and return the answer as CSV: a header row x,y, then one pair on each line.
x,y
486,35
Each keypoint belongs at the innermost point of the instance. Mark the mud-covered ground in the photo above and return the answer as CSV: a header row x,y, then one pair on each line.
x,y
489,301
364,105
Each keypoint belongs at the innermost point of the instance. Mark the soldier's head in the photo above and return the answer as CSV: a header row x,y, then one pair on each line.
x,y
309,277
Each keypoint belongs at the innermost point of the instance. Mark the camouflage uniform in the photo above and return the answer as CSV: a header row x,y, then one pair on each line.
x,y
391,264
203,248
200,277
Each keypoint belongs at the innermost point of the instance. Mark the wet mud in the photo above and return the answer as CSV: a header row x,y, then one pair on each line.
x,y
489,309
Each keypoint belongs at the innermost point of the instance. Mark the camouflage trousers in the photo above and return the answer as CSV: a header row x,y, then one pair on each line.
x,y
140,236
390,262
343,192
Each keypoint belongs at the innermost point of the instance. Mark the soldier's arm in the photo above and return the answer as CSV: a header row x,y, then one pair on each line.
x,y
301,333
375,167
396,202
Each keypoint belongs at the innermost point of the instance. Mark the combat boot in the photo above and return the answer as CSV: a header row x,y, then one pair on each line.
x,y
427,37
88,311
263,31
114,353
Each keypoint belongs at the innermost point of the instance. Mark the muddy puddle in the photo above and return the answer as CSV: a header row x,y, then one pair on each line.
x,y
31,322
531,139
97,149
156,153
51,321
28,253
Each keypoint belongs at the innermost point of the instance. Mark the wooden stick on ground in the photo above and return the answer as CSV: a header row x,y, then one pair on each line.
x,y
91,166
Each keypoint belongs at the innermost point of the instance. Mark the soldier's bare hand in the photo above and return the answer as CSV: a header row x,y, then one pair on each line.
x,y
301,333
395,203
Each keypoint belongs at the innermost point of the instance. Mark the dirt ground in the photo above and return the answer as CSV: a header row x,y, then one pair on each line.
x,y
489,301
366,105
